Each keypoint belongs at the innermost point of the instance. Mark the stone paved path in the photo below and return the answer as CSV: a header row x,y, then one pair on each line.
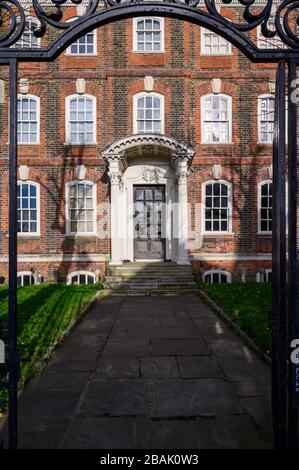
x,y
149,372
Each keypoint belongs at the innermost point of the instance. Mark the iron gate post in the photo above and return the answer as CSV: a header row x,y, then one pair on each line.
x,y
293,369
279,313
13,358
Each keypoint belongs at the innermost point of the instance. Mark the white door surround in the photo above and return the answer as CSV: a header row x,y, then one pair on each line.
x,y
148,159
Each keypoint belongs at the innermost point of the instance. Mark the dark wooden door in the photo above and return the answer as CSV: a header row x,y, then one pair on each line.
x,y
149,222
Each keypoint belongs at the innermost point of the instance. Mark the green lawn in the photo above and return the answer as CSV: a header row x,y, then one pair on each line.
x,y
44,313
248,305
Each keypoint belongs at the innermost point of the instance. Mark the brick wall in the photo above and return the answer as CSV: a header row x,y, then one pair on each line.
x,y
114,75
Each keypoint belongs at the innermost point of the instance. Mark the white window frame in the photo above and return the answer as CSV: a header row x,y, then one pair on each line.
x,y
67,209
203,51
259,115
218,271
68,100
263,277
229,115
230,207
26,273
162,41
135,101
260,184
26,30
87,54
78,273
37,100
37,233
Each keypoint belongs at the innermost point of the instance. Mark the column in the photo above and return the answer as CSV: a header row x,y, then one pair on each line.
x,y
182,210
115,174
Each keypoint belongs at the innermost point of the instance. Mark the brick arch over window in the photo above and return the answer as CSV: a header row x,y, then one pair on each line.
x,y
205,173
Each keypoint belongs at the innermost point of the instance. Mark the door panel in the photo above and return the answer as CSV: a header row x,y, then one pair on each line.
x,y
149,220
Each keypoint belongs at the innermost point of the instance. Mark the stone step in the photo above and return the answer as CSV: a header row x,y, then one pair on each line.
x,y
152,286
151,269
144,286
118,292
117,285
166,285
152,293
149,273
127,278
174,292
147,264
150,279
150,266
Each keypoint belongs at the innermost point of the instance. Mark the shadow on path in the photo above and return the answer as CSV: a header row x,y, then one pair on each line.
x,y
149,372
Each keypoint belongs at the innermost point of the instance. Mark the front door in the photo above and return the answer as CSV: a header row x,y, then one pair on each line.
x,y
149,222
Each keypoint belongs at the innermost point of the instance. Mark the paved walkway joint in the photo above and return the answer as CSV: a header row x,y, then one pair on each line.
x,y
158,372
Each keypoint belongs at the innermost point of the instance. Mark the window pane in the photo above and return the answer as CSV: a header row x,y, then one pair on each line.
x,y
27,121
81,199
81,120
84,45
265,209
149,114
215,44
26,280
216,204
26,217
216,124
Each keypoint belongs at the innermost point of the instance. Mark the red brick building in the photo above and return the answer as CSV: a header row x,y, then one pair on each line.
x,y
146,139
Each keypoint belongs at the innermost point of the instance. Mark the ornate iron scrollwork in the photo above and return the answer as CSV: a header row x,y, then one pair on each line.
x,y
285,15
282,18
12,22
55,18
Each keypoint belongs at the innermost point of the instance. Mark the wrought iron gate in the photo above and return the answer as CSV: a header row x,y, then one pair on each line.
x,y
255,14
